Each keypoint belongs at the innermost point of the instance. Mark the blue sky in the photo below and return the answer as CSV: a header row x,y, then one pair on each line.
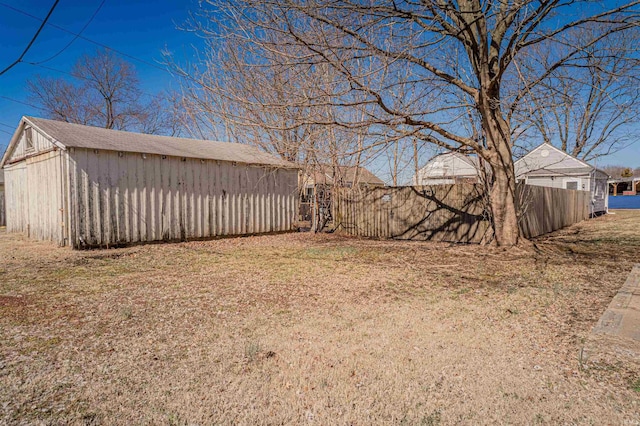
x,y
142,29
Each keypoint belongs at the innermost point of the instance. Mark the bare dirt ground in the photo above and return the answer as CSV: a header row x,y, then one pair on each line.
x,y
303,329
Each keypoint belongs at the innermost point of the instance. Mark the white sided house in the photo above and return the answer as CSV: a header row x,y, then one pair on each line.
x,y
549,166
91,187
449,168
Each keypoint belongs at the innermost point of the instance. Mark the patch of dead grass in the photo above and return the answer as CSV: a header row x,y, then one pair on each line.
x,y
321,329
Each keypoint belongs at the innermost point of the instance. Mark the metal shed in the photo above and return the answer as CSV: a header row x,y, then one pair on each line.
x,y
91,187
3,216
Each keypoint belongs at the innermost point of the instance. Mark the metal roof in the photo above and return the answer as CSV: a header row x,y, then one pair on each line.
x,y
81,136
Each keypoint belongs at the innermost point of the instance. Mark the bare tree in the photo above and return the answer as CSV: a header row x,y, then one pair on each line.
x,y
105,92
615,171
61,100
241,92
590,106
459,53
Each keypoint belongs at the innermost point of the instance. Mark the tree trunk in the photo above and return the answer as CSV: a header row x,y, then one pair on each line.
x,y
503,207
502,197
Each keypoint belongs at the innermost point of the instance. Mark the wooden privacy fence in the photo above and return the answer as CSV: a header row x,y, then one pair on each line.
x,y
454,213
545,210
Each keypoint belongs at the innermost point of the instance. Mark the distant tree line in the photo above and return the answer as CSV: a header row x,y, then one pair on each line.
x,y
617,171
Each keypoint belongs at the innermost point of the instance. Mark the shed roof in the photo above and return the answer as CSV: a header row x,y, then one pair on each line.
x,y
324,174
81,136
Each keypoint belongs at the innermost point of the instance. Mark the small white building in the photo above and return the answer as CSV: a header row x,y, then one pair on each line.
x,y
549,166
3,217
449,168
91,187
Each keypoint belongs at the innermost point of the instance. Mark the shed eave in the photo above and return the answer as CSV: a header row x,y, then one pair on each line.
x,y
290,165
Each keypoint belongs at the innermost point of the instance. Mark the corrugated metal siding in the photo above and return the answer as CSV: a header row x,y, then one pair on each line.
x,y
34,196
3,215
120,198
16,197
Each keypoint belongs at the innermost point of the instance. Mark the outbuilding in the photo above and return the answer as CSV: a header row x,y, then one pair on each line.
x,y
549,166
3,216
85,186
449,168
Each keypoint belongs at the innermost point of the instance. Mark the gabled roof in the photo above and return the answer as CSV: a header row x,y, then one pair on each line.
x,y
547,160
470,160
451,164
324,174
67,135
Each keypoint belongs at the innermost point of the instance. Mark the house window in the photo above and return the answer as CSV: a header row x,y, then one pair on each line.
x,y
571,185
28,139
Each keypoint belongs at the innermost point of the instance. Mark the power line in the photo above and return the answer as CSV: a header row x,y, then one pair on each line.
x,y
21,102
4,131
104,46
33,39
7,125
76,36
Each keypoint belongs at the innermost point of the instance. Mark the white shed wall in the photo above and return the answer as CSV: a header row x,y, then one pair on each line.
x,y
40,144
120,198
3,215
16,197
34,196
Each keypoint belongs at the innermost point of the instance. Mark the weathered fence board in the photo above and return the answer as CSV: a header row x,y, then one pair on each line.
x,y
455,213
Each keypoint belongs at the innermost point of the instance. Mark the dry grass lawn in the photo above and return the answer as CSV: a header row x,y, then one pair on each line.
x,y
303,329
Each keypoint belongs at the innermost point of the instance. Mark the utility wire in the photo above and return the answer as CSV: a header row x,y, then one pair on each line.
x,y
21,102
76,36
7,125
17,61
4,131
104,46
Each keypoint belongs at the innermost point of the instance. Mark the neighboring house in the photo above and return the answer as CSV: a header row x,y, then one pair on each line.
x,y
449,168
3,217
86,186
624,186
549,166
